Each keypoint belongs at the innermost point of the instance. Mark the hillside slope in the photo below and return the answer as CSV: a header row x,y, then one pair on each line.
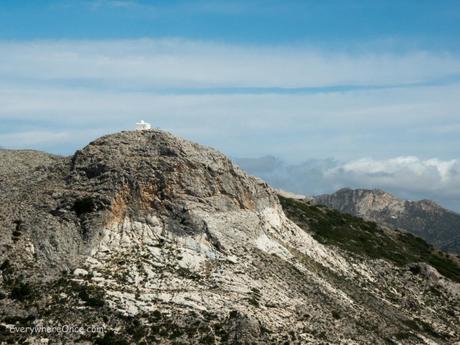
x,y
424,218
153,239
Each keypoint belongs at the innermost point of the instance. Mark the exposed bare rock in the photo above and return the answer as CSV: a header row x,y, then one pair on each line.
x,y
160,240
424,218
291,195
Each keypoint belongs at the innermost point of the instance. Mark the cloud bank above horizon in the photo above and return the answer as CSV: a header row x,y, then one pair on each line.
x,y
58,95
407,177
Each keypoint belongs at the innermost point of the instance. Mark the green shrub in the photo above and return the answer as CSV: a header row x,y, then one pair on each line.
x,y
22,292
110,338
93,296
83,206
365,238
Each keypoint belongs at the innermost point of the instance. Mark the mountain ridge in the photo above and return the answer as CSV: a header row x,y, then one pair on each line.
x,y
160,240
424,218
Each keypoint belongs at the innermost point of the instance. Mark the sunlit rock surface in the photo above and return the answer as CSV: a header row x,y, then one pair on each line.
x,y
160,240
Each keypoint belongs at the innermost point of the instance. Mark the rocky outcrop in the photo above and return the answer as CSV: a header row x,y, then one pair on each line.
x,y
159,240
424,218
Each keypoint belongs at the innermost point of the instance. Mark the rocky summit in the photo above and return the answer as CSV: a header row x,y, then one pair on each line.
x,y
145,238
423,218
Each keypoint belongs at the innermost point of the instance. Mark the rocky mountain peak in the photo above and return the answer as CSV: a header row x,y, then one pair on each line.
x,y
158,166
360,201
161,240
138,177
424,218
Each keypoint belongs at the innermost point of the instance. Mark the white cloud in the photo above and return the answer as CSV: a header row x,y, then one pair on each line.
x,y
48,140
408,177
343,125
410,174
191,64
29,139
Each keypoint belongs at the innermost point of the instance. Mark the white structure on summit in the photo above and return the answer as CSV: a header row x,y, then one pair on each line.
x,y
142,126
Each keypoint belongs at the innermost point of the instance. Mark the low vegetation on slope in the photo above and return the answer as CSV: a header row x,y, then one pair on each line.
x,y
426,219
367,239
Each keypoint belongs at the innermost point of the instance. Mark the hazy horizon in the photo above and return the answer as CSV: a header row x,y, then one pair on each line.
x,y
408,178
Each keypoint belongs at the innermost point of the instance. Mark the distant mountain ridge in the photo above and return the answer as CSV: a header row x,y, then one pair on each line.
x,y
424,218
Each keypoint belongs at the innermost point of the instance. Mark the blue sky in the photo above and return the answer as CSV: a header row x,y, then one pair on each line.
x,y
328,23
355,81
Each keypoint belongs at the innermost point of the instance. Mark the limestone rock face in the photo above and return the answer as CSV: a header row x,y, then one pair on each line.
x,y
423,218
160,240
